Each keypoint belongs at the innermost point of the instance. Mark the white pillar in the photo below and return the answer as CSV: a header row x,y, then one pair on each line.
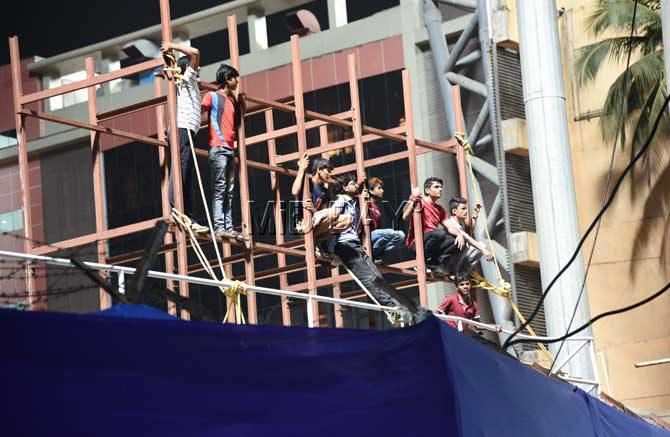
x,y
551,171
665,26
258,31
337,13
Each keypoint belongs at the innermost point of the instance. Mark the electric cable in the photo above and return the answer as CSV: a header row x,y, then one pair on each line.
x,y
602,211
624,87
600,316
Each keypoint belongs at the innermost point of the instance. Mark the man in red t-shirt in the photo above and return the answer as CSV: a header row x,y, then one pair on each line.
x,y
460,304
225,108
444,238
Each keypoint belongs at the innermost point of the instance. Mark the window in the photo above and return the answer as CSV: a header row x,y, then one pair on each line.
x,y
214,47
357,9
69,99
11,221
8,139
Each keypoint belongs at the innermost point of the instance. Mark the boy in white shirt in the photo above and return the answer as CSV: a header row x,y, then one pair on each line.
x,y
188,119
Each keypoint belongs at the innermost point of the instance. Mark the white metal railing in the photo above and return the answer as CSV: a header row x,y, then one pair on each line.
x,y
122,271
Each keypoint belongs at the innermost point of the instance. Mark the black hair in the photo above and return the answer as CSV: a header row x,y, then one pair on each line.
x,y
183,63
454,202
373,182
461,277
429,183
342,181
321,163
225,72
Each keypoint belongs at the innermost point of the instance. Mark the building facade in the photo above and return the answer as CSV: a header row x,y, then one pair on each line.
x,y
386,37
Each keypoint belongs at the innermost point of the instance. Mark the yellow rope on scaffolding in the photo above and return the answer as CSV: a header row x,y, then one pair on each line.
x,y
171,69
503,288
505,292
233,293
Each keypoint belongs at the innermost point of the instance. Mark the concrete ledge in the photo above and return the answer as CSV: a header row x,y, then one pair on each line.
x,y
514,136
524,249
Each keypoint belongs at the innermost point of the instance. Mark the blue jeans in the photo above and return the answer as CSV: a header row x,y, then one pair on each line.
x,y
385,241
222,166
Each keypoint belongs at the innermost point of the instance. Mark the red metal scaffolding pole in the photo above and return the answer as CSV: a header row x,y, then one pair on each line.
x,y
17,89
244,180
414,181
96,160
182,261
165,181
279,219
296,68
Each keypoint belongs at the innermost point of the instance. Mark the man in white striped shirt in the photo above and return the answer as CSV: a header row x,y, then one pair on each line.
x,y
188,119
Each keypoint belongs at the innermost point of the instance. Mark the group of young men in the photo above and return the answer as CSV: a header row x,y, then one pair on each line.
x,y
336,219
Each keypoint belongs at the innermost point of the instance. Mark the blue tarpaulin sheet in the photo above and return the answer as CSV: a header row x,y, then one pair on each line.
x,y
75,375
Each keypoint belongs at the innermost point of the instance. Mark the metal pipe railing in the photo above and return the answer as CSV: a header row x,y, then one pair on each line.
x,y
122,271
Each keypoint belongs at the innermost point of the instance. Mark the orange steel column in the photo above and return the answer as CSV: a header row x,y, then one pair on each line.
x,y
182,261
279,223
335,270
302,147
460,153
165,180
96,159
356,118
244,181
414,181
17,91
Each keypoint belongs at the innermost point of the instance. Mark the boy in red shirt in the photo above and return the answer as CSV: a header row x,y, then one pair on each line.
x,y
460,304
448,248
225,108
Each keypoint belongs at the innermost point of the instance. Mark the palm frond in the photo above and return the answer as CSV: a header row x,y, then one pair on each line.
x,y
617,15
591,58
645,74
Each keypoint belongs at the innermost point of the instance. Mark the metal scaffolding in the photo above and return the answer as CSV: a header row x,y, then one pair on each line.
x,y
414,271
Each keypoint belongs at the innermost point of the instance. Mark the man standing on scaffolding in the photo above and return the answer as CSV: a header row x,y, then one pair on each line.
x,y
449,249
188,119
347,246
224,111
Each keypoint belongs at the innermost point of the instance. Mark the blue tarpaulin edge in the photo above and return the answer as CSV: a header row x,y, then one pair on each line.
x,y
67,374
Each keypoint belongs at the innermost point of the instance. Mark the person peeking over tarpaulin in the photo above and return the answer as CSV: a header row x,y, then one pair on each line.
x,y
461,304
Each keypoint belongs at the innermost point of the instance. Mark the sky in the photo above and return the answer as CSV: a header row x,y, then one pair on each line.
x,y
47,28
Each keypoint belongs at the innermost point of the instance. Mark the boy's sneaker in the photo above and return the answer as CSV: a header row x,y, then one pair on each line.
x,y
224,233
198,228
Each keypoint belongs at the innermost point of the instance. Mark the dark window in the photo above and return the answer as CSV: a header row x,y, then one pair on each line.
x,y
67,193
357,9
133,191
214,47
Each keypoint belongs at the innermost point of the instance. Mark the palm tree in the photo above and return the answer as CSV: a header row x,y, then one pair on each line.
x,y
642,99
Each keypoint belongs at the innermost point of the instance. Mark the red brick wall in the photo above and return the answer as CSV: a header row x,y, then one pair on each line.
x,y
31,84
